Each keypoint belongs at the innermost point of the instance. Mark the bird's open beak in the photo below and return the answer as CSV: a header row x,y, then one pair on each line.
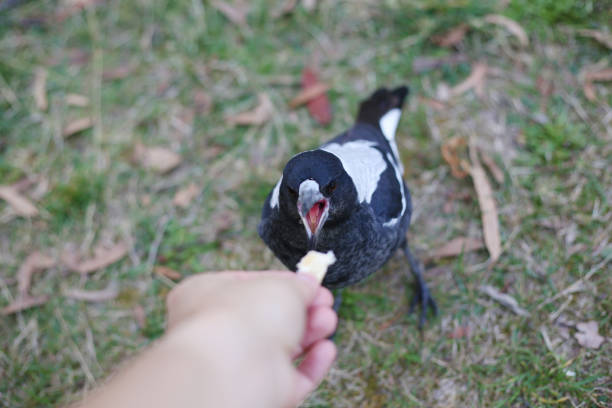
x,y
313,208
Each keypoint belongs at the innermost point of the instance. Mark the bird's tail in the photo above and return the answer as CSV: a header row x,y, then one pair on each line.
x,y
383,109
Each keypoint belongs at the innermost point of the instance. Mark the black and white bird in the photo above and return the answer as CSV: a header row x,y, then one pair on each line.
x,y
348,196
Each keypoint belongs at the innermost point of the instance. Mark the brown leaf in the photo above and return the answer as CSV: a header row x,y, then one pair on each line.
x,y
588,335
40,89
319,107
77,125
433,103
475,80
103,295
456,246
603,38
103,258
589,91
156,158
167,272
424,64
496,172
202,102
258,116
236,13
308,94
601,75
450,153
488,208
77,100
18,202
452,37
545,87
510,25
184,196
120,72
24,303
504,299
35,262
459,332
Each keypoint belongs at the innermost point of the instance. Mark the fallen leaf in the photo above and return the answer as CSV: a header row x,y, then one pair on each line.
x,y
601,75
452,37
40,89
450,153
424,64
77,125
603,38
433,103
156,158
77,100
120,72
18,202
167,272
589,91
459,332
319,107
496,172
504,299
24,303
456,246
474,80
588,335
257,116
103,258
510,25
236,13
545,87
35,262
308,94
103,295
488,208
593,76
202,102
184,196
223,221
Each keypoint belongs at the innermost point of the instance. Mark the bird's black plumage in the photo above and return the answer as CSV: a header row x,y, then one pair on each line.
x,y
348,196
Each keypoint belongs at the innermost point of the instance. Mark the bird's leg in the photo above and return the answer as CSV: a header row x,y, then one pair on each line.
x,y
422,294
337,301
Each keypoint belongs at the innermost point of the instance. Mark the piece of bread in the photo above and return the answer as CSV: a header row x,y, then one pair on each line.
x,y
316,263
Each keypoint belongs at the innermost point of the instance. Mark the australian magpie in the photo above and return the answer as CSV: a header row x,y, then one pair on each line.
x,y
348,196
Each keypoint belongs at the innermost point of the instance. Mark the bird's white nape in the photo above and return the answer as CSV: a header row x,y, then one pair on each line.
x,y
275,192
363,163
388,124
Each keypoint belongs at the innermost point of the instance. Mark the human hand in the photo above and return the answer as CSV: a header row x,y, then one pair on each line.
x,y
256,324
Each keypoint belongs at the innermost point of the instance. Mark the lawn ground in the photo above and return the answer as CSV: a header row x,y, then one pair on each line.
x,y
168,73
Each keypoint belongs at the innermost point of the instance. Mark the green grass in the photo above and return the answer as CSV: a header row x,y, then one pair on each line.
x,y
554,203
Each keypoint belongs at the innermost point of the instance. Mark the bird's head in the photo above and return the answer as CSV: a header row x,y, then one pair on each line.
x,y
316,191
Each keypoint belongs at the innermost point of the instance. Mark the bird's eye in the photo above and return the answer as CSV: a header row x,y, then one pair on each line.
x,y
330,187
292,192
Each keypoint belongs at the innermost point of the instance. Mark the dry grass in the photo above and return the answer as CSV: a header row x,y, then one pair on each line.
x,y
554,203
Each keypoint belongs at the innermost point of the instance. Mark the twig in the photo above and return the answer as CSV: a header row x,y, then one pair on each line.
x,y
159,236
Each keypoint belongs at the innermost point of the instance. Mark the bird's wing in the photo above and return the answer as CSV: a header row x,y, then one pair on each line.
x,y
369,155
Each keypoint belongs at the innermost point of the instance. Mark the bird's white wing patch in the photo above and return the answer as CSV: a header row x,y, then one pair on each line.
x,y
388,124
274,198
363,163
398,175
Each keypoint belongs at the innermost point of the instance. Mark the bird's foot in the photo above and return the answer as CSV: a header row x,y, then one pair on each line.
x,y
423,298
